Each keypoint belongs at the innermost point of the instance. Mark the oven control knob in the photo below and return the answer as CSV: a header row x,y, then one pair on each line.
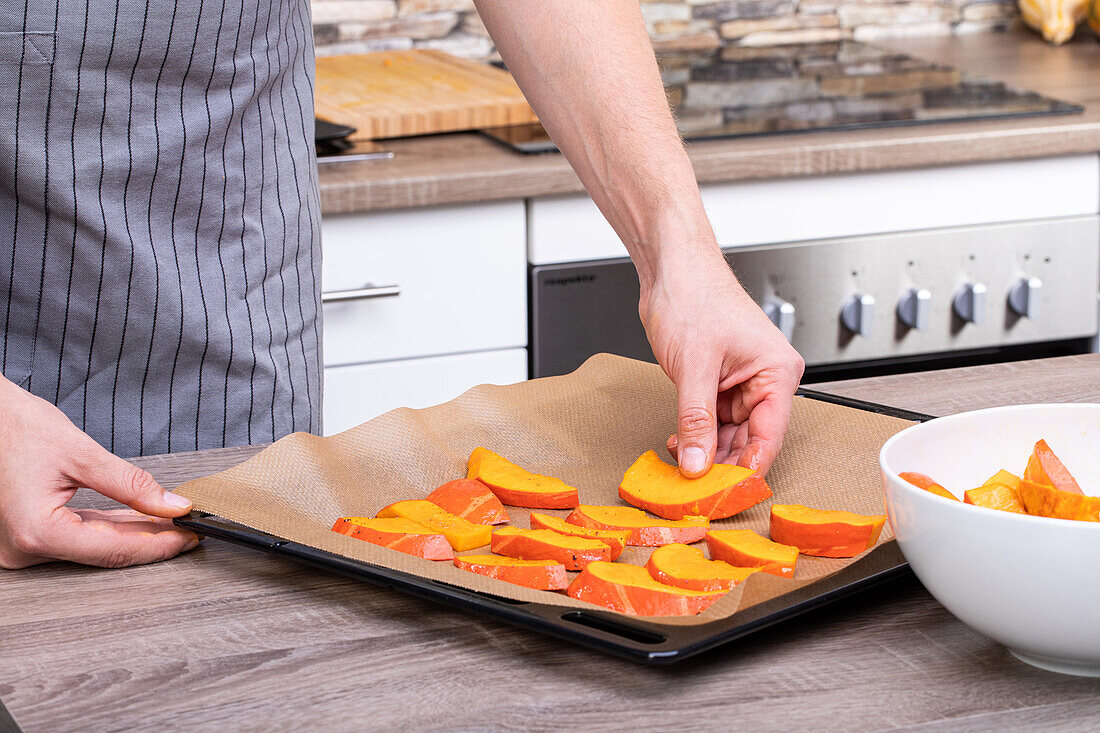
x,y
915,307
970,303
1023,298
781,313
858,314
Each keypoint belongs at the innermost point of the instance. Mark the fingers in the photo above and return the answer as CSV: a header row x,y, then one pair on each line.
x,y
102,471
697,419
98,538
767,423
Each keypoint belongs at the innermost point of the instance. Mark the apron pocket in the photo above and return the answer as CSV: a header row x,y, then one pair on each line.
x,y
29,49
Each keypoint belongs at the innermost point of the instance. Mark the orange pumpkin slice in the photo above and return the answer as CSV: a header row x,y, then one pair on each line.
x,y
1004,478
516,486
995,496
545,544
658,487
1043,467
537,574
630,589
462,535
471,500
1047,501
614,538
403,535
744,548
824,532
687,567
645,531
926,482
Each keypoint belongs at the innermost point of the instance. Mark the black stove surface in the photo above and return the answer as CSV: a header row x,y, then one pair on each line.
x,y
739,91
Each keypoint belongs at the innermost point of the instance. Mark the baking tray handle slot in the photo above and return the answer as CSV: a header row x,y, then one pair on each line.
x,y
611,626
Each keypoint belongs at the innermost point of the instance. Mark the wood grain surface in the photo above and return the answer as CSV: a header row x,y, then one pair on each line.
x,y
468,167
229,638
418,92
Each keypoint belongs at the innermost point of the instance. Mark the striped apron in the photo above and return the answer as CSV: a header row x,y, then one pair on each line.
x,y
159,218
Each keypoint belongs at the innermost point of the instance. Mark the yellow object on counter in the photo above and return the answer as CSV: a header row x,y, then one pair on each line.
x,y
1057,20
1094,16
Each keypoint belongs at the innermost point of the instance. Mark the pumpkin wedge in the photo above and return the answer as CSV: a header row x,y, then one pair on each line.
x,y
995,496
462,534
824,532
403,535
923,481
615,538
471,500
537,574
1004,478
687,567
1043,467
1047,501
630,589
516,486
744,548
645,531
545,544
659,488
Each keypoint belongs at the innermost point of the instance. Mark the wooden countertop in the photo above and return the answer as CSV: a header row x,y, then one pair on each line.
x,y
468,167
234,639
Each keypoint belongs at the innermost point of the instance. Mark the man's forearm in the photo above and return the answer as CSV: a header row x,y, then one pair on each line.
x,y
589,72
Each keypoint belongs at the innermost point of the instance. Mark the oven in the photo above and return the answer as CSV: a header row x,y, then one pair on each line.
x,y
859,306
867,273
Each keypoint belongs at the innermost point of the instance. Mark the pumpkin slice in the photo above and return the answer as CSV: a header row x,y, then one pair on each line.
x,y
462,535
824,532
518,487
995,496
645,531
1043,467
471,500
545,544
744,548
658,487
687,567
537,574
403,535
630,589
614,538
1004,478
926,482
1047,501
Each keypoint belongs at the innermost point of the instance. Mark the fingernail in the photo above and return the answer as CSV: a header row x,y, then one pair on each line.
x,y
191,545
693,460
176,500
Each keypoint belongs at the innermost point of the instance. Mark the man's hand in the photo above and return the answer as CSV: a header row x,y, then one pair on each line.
x,y
735,373
44,458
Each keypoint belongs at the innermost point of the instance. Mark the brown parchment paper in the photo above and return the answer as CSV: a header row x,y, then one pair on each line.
x,y
585,428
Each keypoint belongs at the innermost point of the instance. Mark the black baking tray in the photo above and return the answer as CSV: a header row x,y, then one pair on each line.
x,y
635,639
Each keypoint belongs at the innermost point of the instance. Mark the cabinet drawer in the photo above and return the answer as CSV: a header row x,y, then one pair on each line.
x,y
460,277
355,394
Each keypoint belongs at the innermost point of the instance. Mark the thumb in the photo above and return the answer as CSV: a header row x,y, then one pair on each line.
x,y
106,473
697,422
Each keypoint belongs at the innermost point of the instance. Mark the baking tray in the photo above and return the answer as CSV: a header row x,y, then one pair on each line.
x,y
638,639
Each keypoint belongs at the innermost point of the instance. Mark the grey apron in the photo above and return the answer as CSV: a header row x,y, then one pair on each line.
x,y
159,218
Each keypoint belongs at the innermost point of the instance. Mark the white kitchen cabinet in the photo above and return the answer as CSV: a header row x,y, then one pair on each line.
x,y
459,274
571,228
355,394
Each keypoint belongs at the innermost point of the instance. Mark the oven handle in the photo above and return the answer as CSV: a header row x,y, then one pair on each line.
x,y
367,292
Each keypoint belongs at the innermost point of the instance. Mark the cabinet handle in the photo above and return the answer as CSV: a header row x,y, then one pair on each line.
x,y
366,292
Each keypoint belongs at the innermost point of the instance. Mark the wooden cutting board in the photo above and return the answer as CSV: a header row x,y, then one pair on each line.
x,y
418,92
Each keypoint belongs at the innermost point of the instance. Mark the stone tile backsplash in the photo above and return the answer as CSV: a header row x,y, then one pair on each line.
x,y
355,26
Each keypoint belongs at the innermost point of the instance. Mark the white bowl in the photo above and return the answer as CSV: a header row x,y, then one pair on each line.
x,y
1030,583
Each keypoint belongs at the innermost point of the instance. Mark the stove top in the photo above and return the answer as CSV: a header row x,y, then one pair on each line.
x,y
739,91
